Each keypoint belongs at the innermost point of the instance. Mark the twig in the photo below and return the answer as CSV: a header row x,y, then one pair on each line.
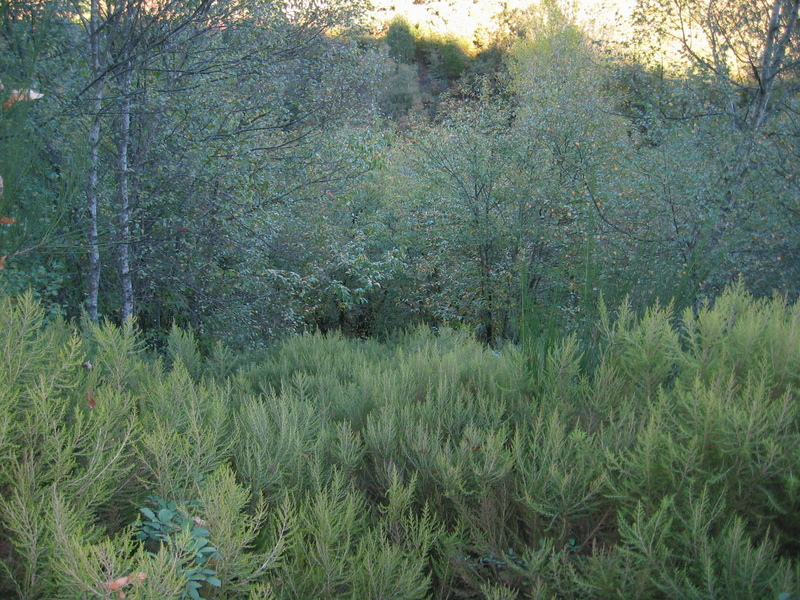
x,y
595,530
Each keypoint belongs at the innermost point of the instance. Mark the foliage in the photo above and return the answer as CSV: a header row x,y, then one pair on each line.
x,y
625,424
470,220
427,465
256,189
166,207
80,448
186,539
400,41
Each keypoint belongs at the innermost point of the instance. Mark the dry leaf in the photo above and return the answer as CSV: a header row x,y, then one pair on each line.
x,y
7,221
121,582
118,583
26,94
90,398
3,261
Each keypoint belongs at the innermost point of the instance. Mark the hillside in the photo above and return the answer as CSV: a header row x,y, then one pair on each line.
x,y
476,19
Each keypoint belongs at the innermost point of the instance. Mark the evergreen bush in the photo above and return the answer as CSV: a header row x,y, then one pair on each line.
x,y
425,467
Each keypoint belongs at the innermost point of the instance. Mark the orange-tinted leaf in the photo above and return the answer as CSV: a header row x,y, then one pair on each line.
x,y
118,583
90,398
7,221
121,582
3,261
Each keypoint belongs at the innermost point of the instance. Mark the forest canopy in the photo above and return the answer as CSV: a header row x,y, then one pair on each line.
x,y
250,170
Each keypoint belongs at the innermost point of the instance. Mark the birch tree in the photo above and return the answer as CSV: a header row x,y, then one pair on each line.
x,y
220,95
748,46
729,70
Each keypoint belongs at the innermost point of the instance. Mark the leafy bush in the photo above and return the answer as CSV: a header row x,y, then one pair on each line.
x,y
400,41
186,539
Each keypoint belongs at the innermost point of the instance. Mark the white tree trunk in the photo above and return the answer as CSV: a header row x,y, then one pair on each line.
x,y
93,284
123,143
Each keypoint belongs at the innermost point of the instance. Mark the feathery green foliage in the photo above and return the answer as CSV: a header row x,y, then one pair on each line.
x,y
428,466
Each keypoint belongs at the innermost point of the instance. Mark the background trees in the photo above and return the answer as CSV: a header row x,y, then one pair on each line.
x,y
186,125
255,170
732,78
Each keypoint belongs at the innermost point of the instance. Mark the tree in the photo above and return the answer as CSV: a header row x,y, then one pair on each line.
x,y
37,189
197,120
283,118
584,175
464,190
401,41
739,61
750,49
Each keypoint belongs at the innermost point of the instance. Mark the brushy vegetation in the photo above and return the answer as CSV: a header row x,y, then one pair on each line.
x,y
427,466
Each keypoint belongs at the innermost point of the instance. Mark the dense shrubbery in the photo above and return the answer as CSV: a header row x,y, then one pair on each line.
x,y
424,467
319,175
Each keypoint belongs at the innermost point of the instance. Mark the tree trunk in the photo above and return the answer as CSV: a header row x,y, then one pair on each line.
x,y
123,194
93,286
779,38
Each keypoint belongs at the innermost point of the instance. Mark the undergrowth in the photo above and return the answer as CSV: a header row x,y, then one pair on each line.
x,y
425,467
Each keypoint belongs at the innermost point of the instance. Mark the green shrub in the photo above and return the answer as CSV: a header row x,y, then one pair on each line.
x,y
428,466
187,432
172,526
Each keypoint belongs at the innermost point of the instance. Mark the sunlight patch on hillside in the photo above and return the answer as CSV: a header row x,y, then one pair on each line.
x,y
474,20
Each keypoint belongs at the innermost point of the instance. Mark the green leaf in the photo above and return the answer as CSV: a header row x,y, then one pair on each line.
x,y
165,515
